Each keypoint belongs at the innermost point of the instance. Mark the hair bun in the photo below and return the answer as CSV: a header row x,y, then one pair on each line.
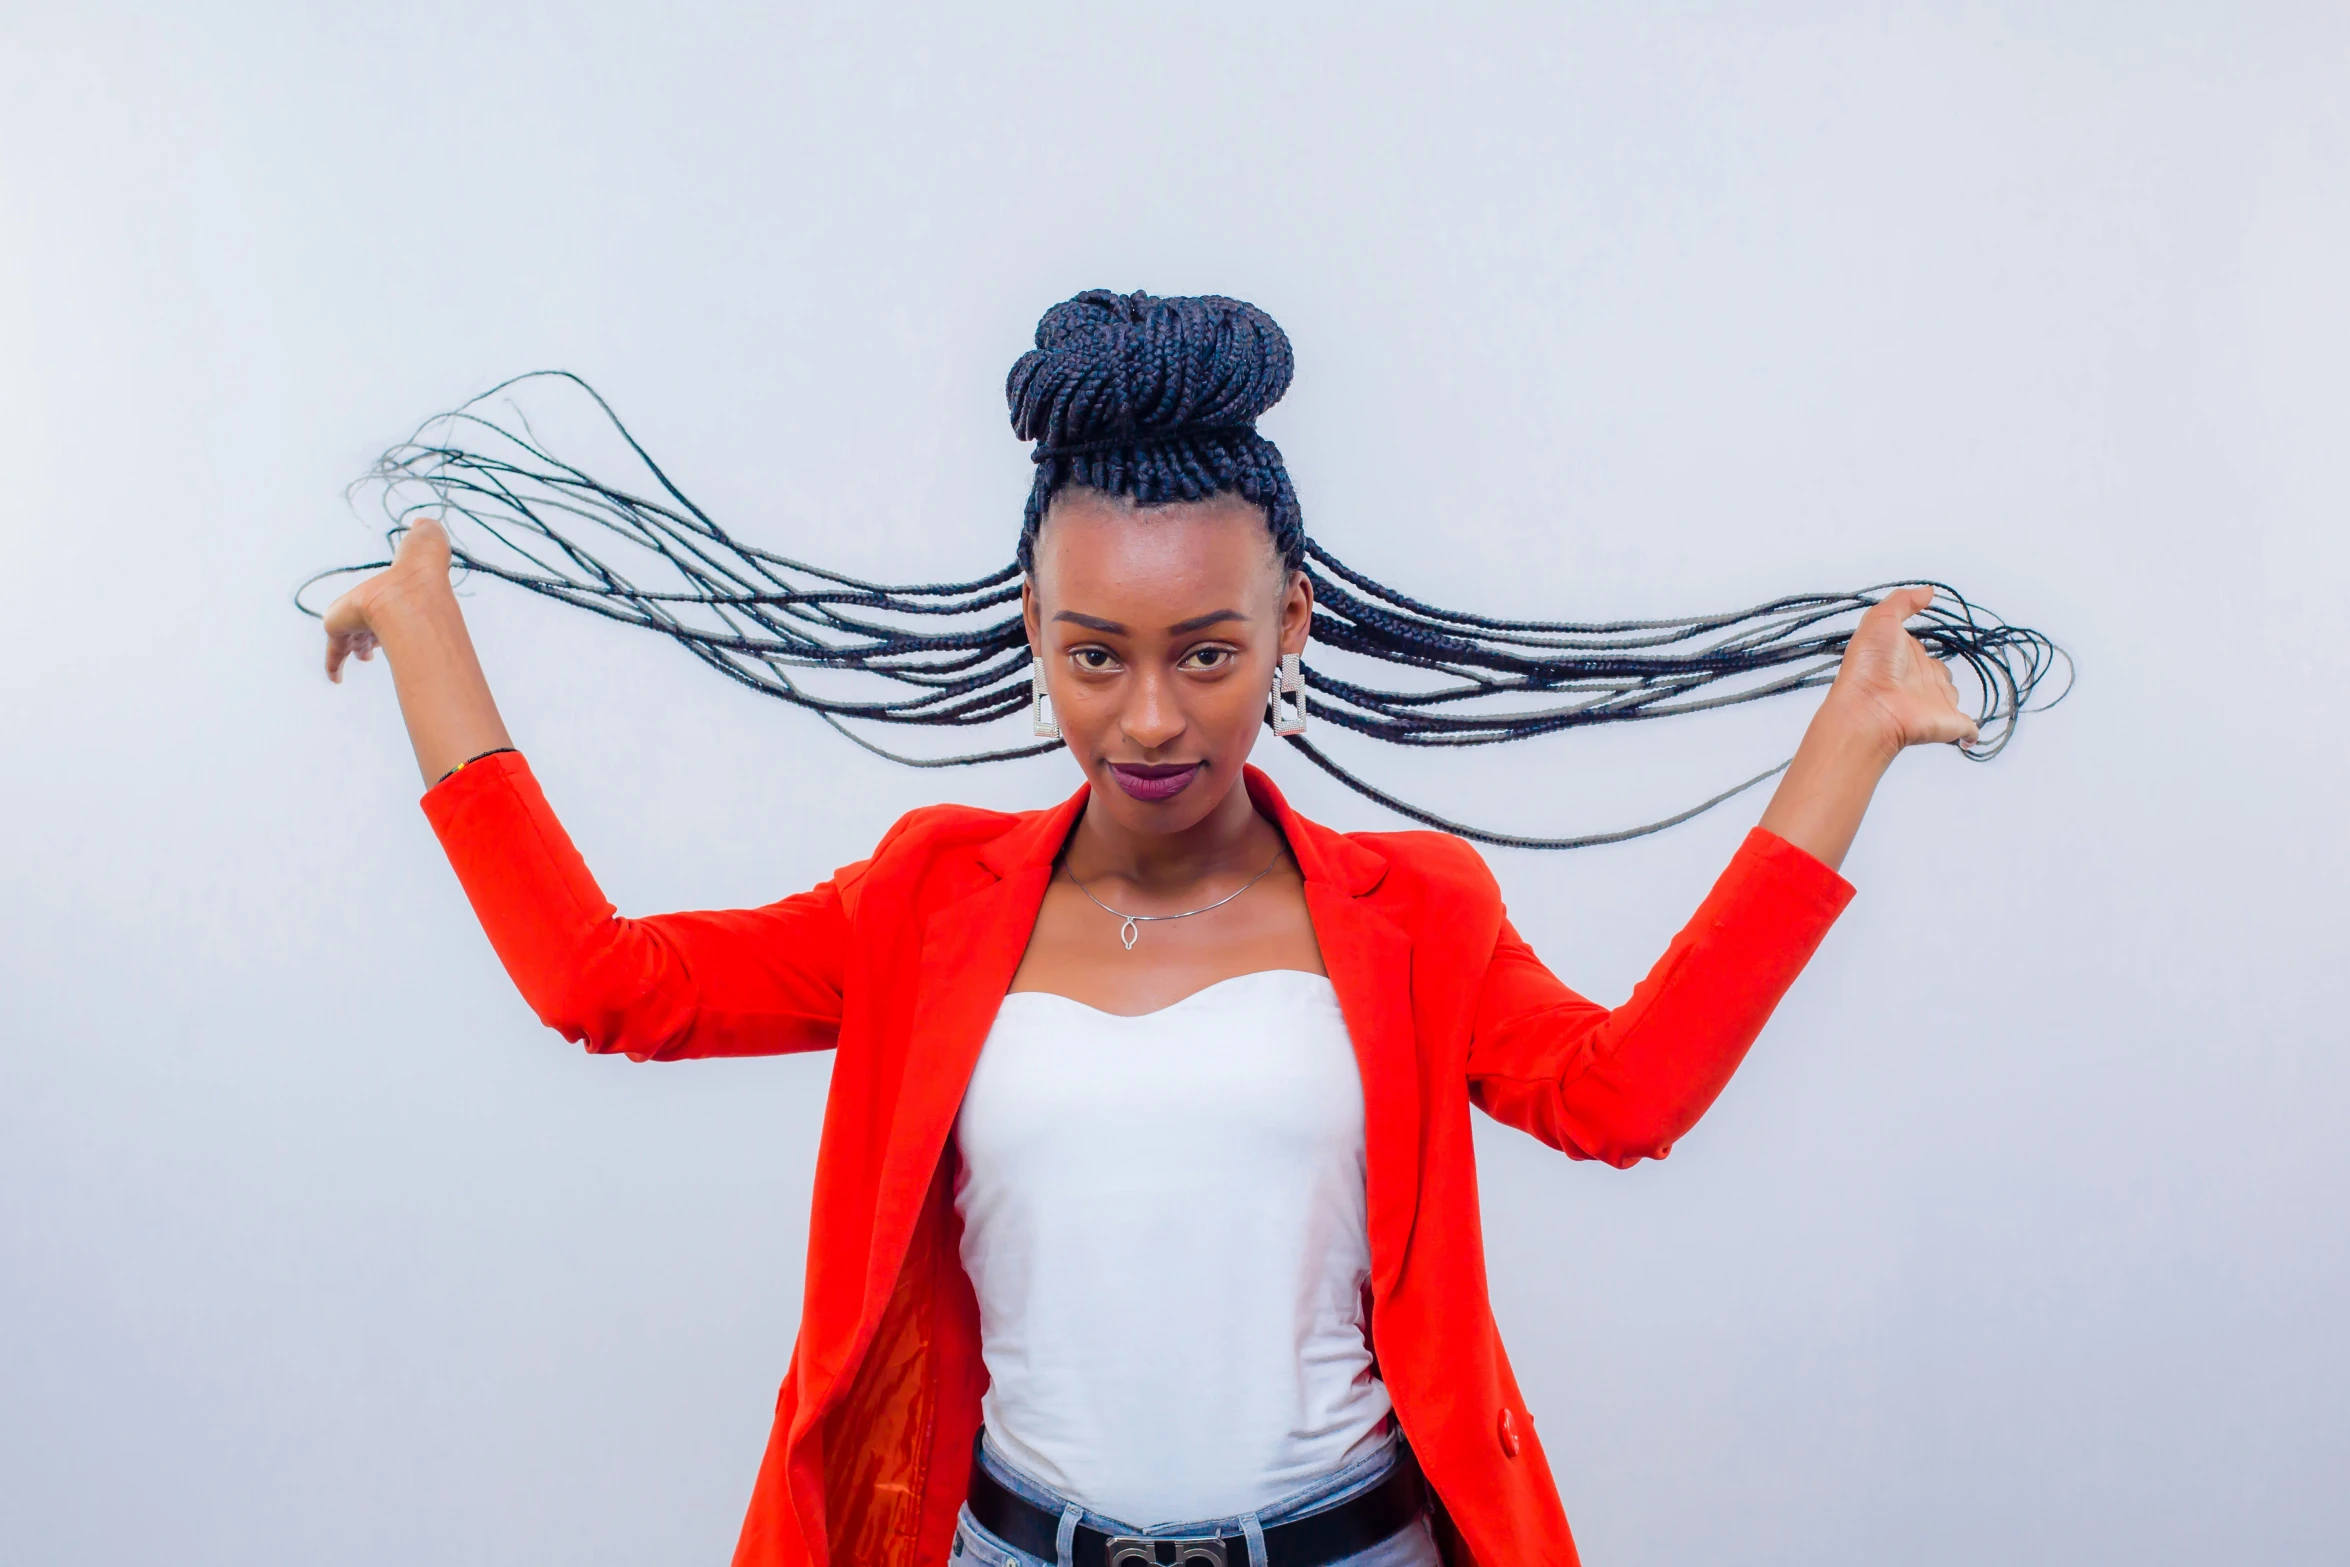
x,y
1117,369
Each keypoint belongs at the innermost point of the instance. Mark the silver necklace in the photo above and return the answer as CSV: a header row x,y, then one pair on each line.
x,y
1131,931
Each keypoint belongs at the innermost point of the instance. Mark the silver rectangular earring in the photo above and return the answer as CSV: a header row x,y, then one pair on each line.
x,y
1040,706
1289,680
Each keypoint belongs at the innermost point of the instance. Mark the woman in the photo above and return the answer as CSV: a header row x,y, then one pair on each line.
x,y
1145,1222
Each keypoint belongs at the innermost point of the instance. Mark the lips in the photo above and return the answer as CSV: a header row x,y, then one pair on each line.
x,y
1152,782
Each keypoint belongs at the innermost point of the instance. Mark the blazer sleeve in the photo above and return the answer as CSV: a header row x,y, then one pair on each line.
x,y
1623,1085
737,982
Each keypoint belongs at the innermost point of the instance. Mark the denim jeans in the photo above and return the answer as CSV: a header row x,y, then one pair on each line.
x,y
1411,1546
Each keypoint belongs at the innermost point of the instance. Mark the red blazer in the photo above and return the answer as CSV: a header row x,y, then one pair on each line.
x,y
898,963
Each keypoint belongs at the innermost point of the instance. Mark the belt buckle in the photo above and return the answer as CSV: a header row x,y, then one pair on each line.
x,y
1203,1550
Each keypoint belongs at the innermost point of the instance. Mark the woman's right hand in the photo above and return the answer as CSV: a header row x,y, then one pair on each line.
x,y
409,610
419,570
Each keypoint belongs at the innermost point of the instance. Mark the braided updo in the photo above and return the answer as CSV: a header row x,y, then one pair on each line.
x,y
1155,398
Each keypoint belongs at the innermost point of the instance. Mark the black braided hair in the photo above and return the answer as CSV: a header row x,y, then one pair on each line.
x,y
1156,399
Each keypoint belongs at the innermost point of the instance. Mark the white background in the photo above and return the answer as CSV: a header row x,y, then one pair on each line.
x,y
2020,1238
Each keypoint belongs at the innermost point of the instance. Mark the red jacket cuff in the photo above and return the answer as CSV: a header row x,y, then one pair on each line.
x,y
1798,873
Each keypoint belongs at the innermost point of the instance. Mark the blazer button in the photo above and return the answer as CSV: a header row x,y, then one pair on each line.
x,y
1507,1428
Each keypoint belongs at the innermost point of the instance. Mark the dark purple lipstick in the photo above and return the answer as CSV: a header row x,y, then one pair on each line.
x,y
1153,782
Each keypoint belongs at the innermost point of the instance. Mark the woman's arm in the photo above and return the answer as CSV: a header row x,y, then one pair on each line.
x,y
411,612
732,982
729,982
1624,1083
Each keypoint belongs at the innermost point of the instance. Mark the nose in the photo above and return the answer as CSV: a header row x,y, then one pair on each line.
x,y
1151,719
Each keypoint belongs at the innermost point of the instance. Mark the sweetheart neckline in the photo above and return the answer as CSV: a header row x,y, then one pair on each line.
x,y
1321,979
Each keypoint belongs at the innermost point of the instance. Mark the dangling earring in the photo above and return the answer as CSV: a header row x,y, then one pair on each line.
x,y
1040,706
1289,680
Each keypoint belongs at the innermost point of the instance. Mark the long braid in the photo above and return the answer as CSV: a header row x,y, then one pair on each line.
x,y
1157,399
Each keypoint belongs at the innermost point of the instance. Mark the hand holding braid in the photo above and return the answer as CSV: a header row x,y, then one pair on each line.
x,y
410,612
417,576
1889,679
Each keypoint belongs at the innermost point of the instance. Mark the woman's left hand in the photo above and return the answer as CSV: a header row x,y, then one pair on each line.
x,y
1889,693
1889,681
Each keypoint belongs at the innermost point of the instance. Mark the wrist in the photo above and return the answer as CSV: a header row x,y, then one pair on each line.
x,y
1819,804
400,606
1856,730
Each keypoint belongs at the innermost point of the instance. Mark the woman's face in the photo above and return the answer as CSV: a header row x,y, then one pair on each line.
x,y
1159,629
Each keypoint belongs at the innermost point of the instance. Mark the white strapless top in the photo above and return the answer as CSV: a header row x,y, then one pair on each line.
x,y
1163,1217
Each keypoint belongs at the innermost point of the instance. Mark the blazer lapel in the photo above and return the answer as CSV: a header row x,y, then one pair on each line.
x,y
1370,963
970,951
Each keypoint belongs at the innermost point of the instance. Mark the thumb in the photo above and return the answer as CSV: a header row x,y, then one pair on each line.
x,y
1910,601
424,539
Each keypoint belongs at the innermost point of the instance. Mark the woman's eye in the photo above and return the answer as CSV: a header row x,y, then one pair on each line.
x,y
1211,657
1092,658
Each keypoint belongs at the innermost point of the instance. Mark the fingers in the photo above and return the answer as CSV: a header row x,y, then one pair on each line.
x,y
1962,731
347,615
1935,722
1967,730
344,645
1973,730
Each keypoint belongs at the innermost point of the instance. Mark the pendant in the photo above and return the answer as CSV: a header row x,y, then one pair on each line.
x,y
1128,932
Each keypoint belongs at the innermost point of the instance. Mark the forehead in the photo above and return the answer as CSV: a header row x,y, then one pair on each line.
x,y
1097,547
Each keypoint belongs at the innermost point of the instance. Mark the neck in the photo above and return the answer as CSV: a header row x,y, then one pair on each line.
x,y
1229,836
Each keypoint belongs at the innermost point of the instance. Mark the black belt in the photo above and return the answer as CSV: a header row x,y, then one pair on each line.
x,y
1352,1526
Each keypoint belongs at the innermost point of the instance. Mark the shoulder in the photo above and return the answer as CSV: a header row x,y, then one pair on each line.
x,y
924,843
1429,854
1440,892
936,829
1433,873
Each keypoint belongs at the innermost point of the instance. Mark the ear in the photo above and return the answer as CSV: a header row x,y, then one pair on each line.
x,y
1031,617
1297,613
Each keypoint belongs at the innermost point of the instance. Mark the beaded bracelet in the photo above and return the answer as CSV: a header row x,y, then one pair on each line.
x,y
468,762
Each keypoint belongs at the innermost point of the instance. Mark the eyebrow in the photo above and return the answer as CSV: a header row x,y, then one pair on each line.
x,y
1180,628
